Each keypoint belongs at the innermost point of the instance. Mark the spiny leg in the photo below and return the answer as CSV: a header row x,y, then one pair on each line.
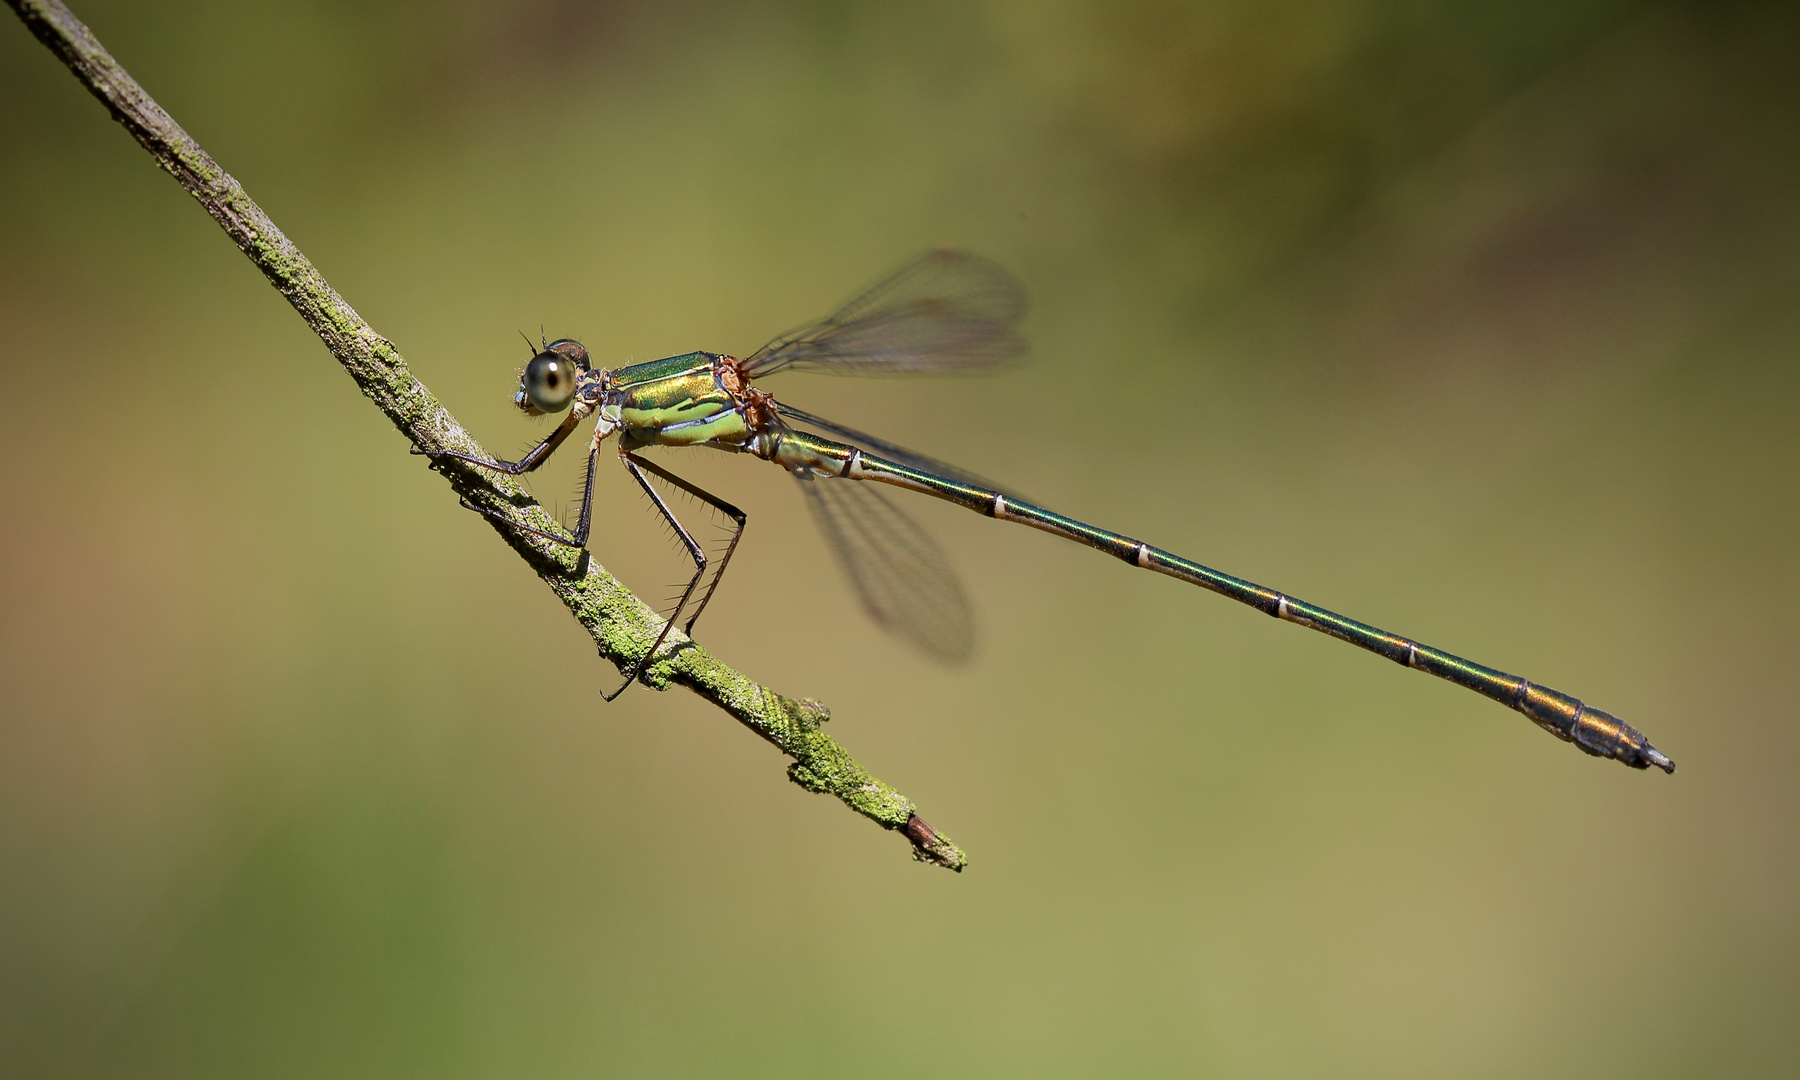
x,y
582,525
636,466
718,504
532,459
586,517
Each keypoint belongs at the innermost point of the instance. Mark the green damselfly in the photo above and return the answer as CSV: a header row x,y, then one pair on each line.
x,y
944,311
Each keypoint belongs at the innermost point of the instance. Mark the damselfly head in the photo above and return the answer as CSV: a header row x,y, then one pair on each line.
x,y
549,380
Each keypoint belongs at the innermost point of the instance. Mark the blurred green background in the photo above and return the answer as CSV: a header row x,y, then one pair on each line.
x,y
1476,321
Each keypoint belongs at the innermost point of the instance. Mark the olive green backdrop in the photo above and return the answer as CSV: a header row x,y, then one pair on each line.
x,y
1475,321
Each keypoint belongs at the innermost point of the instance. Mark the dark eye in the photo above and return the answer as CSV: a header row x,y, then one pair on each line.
x,y
549,381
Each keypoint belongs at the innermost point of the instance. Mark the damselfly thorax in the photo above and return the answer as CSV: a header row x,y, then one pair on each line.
x,y
944,311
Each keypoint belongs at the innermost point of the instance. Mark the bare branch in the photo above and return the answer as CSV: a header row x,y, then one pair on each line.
x,y
622,625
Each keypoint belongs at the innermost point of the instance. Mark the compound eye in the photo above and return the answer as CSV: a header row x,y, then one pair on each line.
x,y
549,381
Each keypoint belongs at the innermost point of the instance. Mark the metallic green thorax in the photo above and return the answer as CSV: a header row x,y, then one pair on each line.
x,y
676,401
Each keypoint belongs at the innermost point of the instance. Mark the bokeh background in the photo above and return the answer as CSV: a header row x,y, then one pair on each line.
x,y
1476,321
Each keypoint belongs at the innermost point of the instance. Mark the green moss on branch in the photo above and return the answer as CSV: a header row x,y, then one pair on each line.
x,y
622,625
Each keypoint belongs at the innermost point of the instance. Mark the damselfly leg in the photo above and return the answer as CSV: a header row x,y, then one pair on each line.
x,y
739,520
637,467
533,458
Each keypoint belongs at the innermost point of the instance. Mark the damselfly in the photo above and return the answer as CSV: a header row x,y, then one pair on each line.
x,y
944,311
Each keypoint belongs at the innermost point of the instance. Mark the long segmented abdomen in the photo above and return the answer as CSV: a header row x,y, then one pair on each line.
x,y
1592,730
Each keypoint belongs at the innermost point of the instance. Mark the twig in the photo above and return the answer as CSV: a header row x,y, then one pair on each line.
x,y
622,625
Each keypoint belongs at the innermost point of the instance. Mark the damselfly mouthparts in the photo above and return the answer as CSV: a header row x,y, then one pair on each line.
x,y
944,311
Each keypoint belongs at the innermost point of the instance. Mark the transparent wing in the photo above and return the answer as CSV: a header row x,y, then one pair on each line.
x,y
900,574
943,311
882,447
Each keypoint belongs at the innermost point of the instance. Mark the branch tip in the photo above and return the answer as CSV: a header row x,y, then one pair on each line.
x,y
929,847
